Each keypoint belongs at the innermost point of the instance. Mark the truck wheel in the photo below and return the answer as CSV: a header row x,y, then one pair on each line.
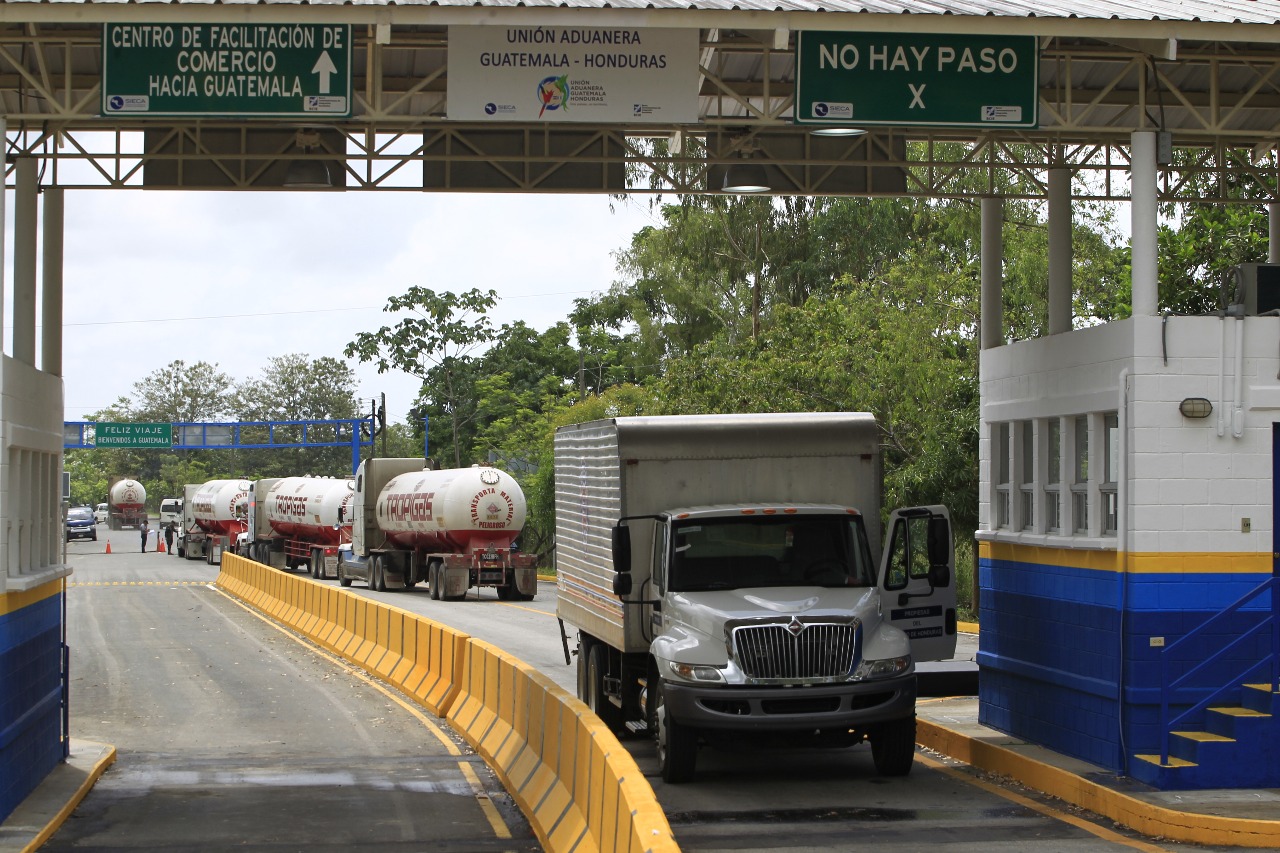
x,y
505,592
677,745
343,580
593,684
375,574
317,564
893,747
433,579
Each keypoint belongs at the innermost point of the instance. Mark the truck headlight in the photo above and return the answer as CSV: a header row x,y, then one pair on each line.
x,y
696,672
883,668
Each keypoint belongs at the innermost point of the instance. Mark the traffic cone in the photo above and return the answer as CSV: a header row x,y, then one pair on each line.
x,y
159,545
108,546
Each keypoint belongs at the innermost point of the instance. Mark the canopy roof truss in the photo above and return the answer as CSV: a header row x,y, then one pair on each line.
x,y
1218,98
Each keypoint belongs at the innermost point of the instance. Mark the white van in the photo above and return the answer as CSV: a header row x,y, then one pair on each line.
x,y
171,511
100,513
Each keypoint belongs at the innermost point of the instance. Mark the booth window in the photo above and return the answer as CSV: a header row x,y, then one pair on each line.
x,y
1053,476
1026,475
1002,465
1080,481
1107,488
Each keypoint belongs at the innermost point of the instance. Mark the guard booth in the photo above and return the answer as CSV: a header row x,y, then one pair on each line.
x,y
1128,595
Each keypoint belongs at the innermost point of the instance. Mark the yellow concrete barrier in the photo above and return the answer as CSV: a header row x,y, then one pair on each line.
x,y
580,789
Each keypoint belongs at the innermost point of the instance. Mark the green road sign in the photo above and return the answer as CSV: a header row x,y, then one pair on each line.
x,y
133,435
281,70
855,79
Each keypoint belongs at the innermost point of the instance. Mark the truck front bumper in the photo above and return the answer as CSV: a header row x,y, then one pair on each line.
x,y
826,706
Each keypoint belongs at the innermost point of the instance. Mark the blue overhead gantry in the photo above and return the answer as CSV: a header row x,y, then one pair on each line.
x,y
263,435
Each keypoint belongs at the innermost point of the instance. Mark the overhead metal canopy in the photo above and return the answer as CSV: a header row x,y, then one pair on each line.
x,y
1208,73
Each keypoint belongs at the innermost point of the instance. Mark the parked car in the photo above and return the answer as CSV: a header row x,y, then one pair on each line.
x,y
100,513
81,524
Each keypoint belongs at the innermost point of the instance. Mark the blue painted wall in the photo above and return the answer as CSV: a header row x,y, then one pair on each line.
x,y
30,693
1054,637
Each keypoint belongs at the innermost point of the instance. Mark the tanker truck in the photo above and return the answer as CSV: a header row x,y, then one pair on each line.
x,y
213,515
293,523
721,572
453,529
126,503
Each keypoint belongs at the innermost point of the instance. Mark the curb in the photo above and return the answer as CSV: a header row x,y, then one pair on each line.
x,y
1151,820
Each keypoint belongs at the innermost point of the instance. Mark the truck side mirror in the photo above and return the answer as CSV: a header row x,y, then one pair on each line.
x,y
342,514
622,584
620,539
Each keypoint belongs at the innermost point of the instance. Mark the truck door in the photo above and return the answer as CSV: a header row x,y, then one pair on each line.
x,y
357,519
917,580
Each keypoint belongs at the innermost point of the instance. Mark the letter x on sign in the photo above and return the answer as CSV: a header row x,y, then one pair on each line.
x,y
916,99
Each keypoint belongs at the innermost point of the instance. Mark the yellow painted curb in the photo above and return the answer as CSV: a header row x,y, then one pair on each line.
x,y
99,767
967,627
1140,816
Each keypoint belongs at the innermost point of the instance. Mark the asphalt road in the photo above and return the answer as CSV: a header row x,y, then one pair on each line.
x,y
233,734
779,799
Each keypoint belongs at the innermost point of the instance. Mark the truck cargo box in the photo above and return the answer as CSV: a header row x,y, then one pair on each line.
x,y
633,466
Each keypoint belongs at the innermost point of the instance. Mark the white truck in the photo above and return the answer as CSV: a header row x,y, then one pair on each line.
x,y
721,572
214,514
455,529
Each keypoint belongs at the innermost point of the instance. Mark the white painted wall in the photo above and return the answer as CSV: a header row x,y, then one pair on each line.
x,y
1188,488
31,526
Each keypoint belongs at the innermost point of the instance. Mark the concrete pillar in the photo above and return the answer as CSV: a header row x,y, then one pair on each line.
x,y
1060,256
1142,211
1273,233
51,315
992,301
25,220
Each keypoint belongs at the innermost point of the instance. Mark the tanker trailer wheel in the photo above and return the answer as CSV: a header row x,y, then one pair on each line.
x,y
377,575
317,564
677,744
433,579
893,747
591,687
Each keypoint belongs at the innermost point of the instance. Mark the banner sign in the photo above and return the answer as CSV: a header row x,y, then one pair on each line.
x,y
854,79
282,70
572,74
133,435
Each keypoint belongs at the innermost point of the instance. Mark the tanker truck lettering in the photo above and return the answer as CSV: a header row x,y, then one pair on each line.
x,y
298,523
725,577
452,529
126,503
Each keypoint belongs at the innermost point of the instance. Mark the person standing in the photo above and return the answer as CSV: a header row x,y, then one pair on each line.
x,y
168,537
144,530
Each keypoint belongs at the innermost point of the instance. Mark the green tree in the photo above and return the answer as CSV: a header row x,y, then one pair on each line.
x,y
437,344
291,388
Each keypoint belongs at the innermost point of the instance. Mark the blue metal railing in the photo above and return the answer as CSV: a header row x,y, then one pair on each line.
x,y
1269,663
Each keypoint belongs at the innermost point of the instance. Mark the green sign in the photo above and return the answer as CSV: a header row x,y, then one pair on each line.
x,y
133,435
282,70
857,79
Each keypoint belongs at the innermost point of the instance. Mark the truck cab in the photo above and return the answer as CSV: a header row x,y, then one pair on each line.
x,y
776,619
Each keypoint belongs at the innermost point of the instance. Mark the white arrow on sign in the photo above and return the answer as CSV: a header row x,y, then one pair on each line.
x,y
324,67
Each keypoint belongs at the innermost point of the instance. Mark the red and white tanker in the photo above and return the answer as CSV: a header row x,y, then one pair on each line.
x,y
213,515
126,503
299,522
454,529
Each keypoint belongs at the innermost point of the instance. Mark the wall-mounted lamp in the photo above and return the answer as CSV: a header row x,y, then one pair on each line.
x,y
307,174
1195,407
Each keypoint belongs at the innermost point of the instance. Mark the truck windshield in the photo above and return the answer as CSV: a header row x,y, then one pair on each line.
x,y
756,551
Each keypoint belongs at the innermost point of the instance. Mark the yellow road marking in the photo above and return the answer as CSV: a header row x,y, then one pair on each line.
x,y
500,828
1092,828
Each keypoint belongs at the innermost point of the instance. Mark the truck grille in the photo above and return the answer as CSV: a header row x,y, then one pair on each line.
x,y
796,651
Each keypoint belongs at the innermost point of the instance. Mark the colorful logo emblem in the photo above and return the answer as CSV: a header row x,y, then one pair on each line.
x,y
553,93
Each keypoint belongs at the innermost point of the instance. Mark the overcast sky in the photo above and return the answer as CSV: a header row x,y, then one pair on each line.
x,y
236,278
